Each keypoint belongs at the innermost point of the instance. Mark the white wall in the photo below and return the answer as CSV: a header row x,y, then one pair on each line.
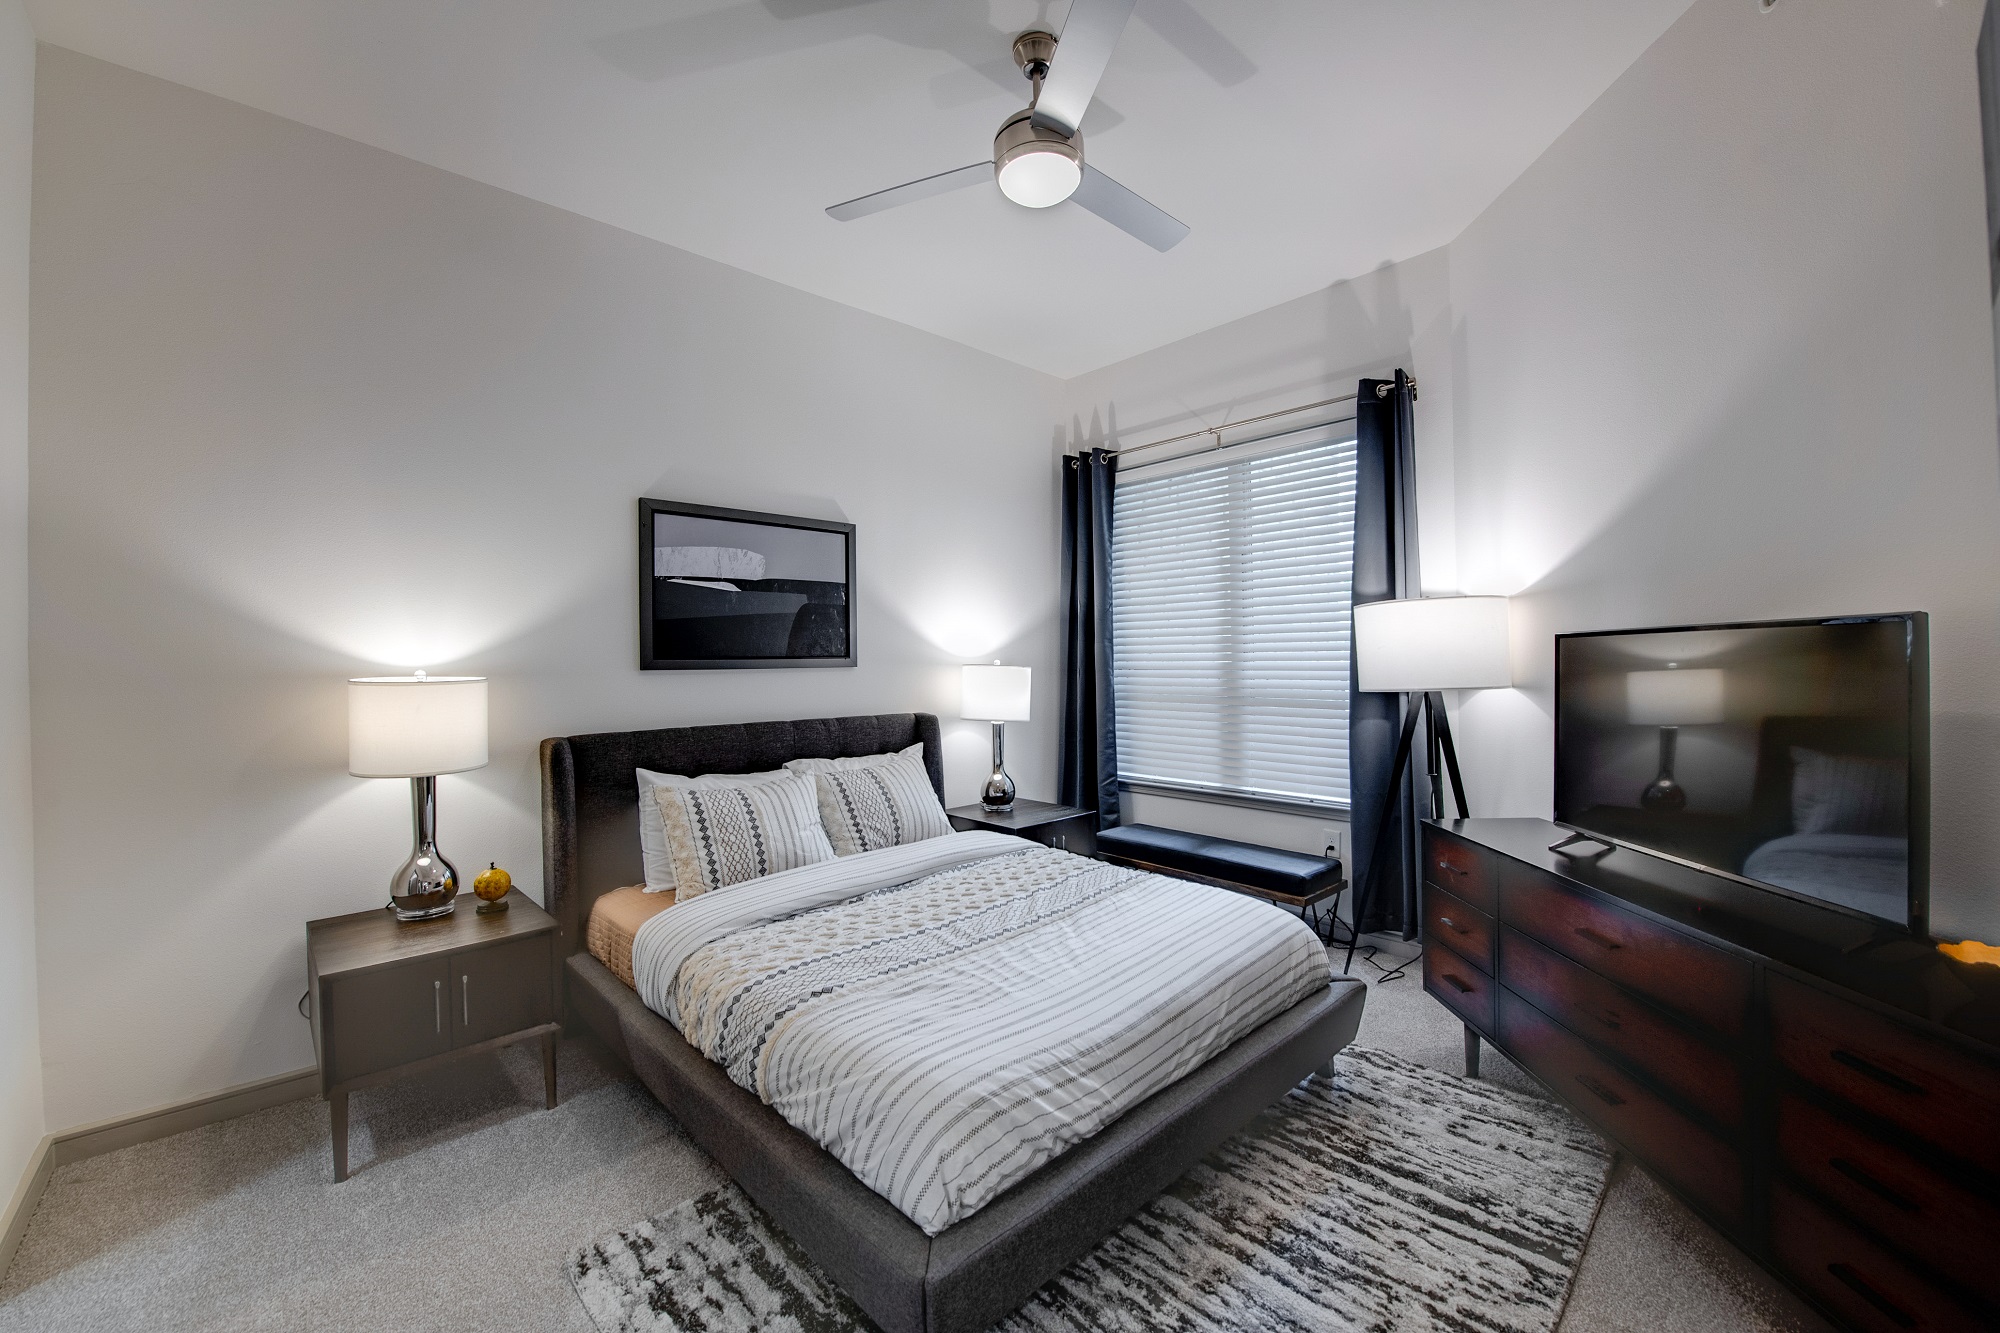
x,y
20,1039
1724,353
305,410
1303,351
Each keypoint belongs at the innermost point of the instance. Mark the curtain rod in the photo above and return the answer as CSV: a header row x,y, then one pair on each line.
x,y
1381,391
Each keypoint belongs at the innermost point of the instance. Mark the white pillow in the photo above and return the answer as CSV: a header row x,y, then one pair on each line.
x,y
1848,793
915,752
879,805
718,836
653,837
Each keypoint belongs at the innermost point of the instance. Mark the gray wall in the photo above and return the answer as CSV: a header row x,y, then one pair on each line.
x,y
20,1037
306,410
1725,353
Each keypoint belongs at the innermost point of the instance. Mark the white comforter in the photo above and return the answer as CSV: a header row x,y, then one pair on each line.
x,y
947,1016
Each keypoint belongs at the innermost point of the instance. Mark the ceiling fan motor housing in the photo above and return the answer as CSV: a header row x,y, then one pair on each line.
x,y
1036,164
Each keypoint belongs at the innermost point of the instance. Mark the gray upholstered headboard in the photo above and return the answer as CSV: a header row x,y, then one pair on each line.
x,y
590,798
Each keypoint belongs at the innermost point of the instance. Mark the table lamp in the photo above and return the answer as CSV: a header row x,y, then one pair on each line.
x,y
1670,700
996,694
417,727
1420,646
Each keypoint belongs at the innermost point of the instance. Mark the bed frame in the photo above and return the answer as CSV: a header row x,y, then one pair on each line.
x,y
978,1270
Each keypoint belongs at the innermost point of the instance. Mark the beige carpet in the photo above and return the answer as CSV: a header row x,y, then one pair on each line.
x,y
467,1198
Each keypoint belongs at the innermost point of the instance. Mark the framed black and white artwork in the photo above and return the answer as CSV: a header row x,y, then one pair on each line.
x,y
725,588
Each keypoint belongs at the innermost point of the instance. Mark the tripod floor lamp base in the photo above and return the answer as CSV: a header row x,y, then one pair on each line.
x,y
1429,705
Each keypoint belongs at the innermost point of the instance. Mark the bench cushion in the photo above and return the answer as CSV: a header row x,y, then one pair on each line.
x,y
1263,869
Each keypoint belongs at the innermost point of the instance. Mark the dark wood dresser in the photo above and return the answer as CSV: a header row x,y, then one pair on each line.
x,y
1824,1090
391,998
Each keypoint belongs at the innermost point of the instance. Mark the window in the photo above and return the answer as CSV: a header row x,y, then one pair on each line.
x,y
1231,607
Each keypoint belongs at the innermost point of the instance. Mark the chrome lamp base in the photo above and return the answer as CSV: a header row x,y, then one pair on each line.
x,y
426,885
998,795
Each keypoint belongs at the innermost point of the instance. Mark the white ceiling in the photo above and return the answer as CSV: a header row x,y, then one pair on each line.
x,y
1304,141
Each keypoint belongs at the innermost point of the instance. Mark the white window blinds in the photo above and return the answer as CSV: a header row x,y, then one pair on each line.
x,y
1231,607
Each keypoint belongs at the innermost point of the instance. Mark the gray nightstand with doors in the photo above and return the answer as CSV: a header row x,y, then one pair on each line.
x,y
391,998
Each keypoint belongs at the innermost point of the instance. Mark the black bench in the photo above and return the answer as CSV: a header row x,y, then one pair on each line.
x,y
1298,880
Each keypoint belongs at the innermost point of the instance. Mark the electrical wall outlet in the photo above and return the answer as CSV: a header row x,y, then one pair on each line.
x,y
1335,837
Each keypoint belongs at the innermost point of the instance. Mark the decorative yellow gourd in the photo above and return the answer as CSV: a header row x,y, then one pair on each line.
x,y
1972,951
492,885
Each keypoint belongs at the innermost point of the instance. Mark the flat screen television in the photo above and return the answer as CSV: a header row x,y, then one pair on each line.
x,y
1792,755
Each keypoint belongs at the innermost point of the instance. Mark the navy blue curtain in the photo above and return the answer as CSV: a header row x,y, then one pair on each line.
x,y
1385,567
1087,765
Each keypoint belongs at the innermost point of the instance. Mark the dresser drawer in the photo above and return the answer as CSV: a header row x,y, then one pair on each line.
x,y
1463,988
1673,1147
1464,927
1467,872
1684,976
1928,1087
1895,1196
1863,1284
1625,1025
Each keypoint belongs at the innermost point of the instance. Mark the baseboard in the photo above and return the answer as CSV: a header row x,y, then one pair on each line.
x,y
14,1221
73,1145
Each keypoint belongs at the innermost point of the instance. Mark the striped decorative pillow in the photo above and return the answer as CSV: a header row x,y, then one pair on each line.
x,y
882,805
718,836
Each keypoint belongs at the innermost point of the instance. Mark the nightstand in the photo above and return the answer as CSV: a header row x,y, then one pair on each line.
x,y
1069,827
391,998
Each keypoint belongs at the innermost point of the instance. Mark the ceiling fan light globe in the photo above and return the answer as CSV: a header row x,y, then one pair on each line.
x,y
1039,179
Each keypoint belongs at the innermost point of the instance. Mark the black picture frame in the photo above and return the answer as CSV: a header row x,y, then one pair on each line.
x,y
695,620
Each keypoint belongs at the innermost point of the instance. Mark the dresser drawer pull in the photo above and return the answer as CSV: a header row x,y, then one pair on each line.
x,y
1896,1314
1872,1185
437,992
1459,985
1604,1094
1610,1019
1869,1069
1453,925
465,997
1601,941
1451,869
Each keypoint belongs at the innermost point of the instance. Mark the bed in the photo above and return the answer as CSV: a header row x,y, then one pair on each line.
x,y
974,1269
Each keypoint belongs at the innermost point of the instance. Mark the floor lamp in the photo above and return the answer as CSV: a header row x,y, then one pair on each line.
x,y
1421,646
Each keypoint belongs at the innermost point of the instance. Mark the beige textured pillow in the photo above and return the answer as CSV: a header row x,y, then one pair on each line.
x,y
718,836
882,805
653,839
915,752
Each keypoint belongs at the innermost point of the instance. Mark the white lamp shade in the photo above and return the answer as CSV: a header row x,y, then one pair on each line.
x,y
1674,698
415,726
995,693
1432,643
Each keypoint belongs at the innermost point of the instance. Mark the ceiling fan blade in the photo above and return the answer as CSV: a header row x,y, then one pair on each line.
x,y
898,195
1127,211
1082,52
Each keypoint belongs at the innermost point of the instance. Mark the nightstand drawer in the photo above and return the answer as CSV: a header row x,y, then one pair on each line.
x,y
500,989
387,1017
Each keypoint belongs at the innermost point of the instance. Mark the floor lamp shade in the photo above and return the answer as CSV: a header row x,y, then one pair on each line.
x,y
415,726
1432,643
995,693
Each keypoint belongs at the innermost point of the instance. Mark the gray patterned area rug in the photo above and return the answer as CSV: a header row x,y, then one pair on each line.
x,y
1395,1198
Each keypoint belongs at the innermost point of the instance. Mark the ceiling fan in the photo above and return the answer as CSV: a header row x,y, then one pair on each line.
x,y
1038,154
